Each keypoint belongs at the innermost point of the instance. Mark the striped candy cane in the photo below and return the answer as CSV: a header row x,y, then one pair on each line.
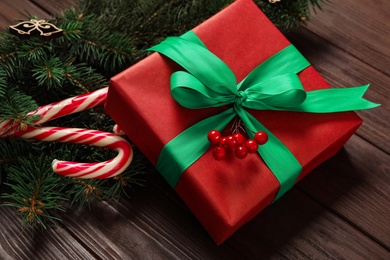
x,y
59,109
68,106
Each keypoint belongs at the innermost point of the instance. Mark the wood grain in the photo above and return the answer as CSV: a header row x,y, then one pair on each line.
x,y
54,7
340,211
35,244
297,227
14,10
361,28
354,189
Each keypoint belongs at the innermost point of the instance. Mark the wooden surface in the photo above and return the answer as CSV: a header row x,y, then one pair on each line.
x,y
340,211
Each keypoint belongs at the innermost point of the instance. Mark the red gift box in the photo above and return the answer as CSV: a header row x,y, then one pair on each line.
x,y
225,194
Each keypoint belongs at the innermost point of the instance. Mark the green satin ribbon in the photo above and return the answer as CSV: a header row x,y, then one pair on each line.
x,y
273,85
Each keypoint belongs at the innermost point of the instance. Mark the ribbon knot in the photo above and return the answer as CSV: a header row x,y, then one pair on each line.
x,y
240,99
272,85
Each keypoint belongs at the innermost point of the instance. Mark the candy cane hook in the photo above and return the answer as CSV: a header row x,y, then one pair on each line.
x,y
100,170
68,106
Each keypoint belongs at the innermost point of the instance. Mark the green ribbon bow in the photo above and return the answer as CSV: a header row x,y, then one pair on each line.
x,y
273,85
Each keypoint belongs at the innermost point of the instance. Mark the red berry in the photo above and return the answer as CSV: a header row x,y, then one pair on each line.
x,y
222,142
239,138
252,146
241,152
231,142
214,136
261,137
219,153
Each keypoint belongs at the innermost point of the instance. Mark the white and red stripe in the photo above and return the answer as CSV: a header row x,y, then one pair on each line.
x,y
100,170
117,130
59,109
71,105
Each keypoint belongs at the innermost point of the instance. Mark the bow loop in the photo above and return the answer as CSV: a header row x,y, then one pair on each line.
x,y
287,61
189,92
277,93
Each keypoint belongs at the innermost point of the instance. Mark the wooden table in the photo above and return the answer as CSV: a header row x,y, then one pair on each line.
x,y
340,211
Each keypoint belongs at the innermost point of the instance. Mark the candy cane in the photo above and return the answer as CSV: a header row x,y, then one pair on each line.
x,y
59,109
101,170
117,130
68,106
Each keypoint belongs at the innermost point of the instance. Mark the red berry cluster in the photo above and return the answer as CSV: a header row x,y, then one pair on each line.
x,y
236,142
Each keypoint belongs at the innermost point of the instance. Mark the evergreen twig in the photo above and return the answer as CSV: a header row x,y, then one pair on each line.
x,y
37,191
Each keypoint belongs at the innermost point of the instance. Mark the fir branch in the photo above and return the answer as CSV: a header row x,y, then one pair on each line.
x,y
15,69
289,14
7,46
318,3
11,150
9,59
76,82
3,82
72,31
15,105
84,77
33,48
37,191
7,56
49,72
84,191
100,120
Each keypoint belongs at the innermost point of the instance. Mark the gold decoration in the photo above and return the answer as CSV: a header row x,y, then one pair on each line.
x,y
273,1
36,28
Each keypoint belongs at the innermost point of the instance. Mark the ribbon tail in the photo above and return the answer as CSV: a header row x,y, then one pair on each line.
x,y
187,147
275,154
335,100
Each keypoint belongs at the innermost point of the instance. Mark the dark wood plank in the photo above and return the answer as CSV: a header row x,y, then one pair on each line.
x,y
359,27
111,235
343,70
54,7
54,242
296,227
154,223
155,220
14,10
355,185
